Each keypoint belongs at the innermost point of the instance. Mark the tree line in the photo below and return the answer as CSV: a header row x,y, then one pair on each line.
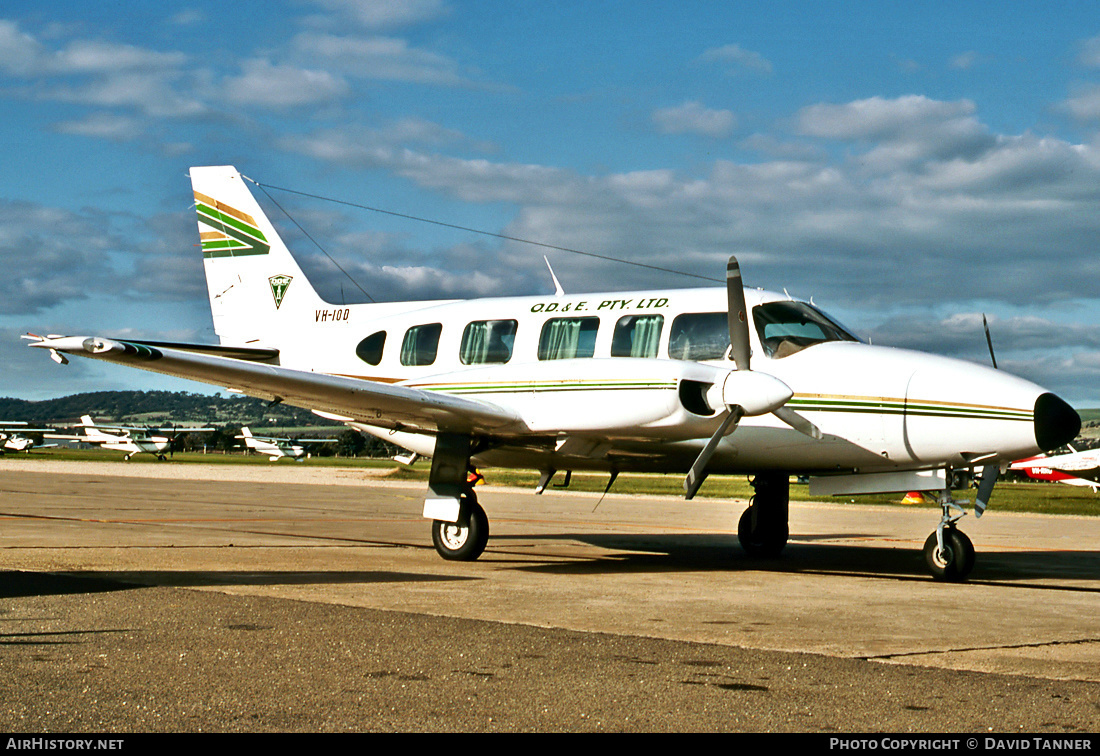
x,y
152,407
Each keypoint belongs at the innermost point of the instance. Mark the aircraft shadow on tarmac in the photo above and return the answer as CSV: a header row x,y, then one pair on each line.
x,y
21,584
621,553
662,552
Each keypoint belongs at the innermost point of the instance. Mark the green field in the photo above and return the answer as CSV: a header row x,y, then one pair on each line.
x,y
1010,495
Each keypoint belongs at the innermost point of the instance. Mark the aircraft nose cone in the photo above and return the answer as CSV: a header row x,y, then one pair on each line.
x,y
1056,423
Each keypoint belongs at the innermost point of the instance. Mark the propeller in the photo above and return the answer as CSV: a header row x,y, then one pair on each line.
x,y
989,341
744,392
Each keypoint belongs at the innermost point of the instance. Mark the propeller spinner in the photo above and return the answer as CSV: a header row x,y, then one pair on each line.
x,y
744,392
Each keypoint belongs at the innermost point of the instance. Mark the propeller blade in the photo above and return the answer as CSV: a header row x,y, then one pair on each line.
x,y
989,341
799,423
738,315
697,474
990,474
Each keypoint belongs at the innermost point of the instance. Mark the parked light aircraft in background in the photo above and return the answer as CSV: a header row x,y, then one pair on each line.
x,y
277,448
14,437
130,439
690,381
1078,468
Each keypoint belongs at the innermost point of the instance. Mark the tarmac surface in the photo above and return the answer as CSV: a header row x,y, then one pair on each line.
x,y
187,598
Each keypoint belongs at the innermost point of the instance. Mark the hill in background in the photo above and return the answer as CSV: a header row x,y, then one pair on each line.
x,y
159,408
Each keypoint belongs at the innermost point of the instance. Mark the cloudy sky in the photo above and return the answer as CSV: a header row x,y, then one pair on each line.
x,y
910,166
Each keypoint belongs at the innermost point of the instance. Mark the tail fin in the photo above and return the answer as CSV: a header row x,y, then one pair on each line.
x,y
256,288
246,432
92,433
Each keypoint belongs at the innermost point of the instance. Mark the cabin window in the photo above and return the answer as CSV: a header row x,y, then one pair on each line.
x,y
566,338
421,344
788,327
487,341
370,348
637,336
699,336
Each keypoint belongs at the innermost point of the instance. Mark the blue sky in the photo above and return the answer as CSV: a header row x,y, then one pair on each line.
x,y
910,166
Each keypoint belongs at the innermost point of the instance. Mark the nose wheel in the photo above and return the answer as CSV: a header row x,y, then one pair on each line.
x,y
948,552
954,559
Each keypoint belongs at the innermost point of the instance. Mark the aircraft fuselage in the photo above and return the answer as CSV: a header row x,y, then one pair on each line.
x,y
558,363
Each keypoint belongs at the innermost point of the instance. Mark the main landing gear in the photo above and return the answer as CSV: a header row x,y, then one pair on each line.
x,y
464,540
763,529
460,528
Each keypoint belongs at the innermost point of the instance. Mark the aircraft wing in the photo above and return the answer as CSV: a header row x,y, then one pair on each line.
x,y
368,402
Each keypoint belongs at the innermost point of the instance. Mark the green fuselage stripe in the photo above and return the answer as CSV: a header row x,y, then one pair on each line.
x,y
547,386
923,409
804,404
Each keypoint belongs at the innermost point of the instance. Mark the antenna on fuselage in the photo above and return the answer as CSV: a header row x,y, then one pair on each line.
x,y
558,290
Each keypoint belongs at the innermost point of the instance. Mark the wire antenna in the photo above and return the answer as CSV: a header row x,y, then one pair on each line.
x,y
315,242
544,245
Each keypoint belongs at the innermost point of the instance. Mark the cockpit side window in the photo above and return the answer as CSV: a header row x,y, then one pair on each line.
x,y
788,327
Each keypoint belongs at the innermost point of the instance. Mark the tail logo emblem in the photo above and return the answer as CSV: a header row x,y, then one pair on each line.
x,y
226,231
279,285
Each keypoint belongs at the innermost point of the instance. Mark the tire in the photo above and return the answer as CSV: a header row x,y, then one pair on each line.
x,y
764,543
957,559
465,540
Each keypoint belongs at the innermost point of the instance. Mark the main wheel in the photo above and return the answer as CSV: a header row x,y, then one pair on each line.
x,y
465,540
761,542
955,561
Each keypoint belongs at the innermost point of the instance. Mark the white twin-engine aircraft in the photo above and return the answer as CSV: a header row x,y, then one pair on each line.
x,y
277,448
629,381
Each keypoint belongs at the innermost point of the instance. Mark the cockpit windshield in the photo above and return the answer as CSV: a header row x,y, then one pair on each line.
x,y
787,327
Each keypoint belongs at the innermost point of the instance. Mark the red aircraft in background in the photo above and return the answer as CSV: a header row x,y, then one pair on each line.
x,y
1078,468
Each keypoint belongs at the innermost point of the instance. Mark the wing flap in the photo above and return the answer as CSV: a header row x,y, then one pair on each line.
x,y
369,402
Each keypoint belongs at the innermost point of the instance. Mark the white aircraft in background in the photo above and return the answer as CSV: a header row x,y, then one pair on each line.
x,y
277,448
14,438
1078,468
130,439
655,381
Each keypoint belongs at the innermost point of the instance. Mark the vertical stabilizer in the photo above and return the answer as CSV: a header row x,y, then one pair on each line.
x,y
257,290
92,432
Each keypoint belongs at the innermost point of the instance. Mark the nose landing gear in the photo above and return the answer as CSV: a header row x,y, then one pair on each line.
x,y
948,552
